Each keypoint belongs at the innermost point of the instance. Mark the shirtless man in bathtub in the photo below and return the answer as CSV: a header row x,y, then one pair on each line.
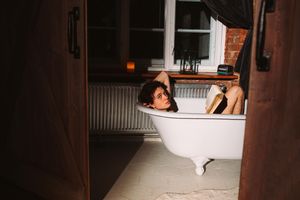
x,y
157,95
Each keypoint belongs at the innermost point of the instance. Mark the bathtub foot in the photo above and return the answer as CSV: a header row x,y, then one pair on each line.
x,y
200,161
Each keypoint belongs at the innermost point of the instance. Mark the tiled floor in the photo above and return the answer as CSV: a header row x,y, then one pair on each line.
x,y
154,171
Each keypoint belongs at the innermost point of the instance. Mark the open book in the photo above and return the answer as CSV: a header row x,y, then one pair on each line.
x,y
216,101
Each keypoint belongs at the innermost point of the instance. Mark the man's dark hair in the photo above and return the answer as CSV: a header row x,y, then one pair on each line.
x,y
147,92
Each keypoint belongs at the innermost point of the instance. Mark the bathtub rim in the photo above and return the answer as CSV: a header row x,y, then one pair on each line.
x,y
183,115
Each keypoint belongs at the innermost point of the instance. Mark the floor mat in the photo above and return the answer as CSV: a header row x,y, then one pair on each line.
x,y
231,194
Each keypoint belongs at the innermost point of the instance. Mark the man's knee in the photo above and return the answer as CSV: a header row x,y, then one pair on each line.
x,y
236,90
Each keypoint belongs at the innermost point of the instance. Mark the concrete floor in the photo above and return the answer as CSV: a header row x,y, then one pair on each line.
x,y
133,169
137,170
108,158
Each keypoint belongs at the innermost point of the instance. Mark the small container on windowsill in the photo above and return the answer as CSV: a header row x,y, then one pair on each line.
x,y
130,66
225,69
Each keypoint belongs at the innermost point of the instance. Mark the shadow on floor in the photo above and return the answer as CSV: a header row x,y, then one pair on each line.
x,y
108,158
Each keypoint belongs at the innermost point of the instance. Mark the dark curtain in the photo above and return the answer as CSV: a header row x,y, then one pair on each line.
x,y
237,14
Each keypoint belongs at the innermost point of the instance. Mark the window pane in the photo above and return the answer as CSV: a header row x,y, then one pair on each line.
x,y
192,30
146,14
196,43
146,45
102,29
192,15
101,43
146,30
102,13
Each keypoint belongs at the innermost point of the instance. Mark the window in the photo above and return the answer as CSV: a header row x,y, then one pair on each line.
x,y
146,36
154,34
102,29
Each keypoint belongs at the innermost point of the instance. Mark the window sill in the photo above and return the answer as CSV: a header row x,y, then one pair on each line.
x,y
198,76
139,77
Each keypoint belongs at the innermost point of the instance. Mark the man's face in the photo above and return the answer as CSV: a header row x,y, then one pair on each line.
x,y
160,99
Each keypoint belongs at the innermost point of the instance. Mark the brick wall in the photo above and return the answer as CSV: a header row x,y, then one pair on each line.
x,y
233,44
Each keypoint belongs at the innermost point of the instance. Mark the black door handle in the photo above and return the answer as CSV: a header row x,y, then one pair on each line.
x,y
73,17
263,57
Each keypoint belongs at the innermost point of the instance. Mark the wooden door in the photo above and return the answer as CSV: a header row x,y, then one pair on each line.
x,y
270,165
44,144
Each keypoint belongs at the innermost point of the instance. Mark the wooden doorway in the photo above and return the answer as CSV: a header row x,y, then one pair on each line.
x,y
44,145
270,165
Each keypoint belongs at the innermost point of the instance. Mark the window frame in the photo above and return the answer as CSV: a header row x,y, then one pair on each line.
x,y
217,36
216,46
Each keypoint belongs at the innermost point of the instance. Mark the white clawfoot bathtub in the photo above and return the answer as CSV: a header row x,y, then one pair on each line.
x,y
193,134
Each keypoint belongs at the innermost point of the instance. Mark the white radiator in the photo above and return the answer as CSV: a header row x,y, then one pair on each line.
x,y
112,107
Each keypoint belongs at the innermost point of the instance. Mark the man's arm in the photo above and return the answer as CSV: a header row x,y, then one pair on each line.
x,y
164,78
